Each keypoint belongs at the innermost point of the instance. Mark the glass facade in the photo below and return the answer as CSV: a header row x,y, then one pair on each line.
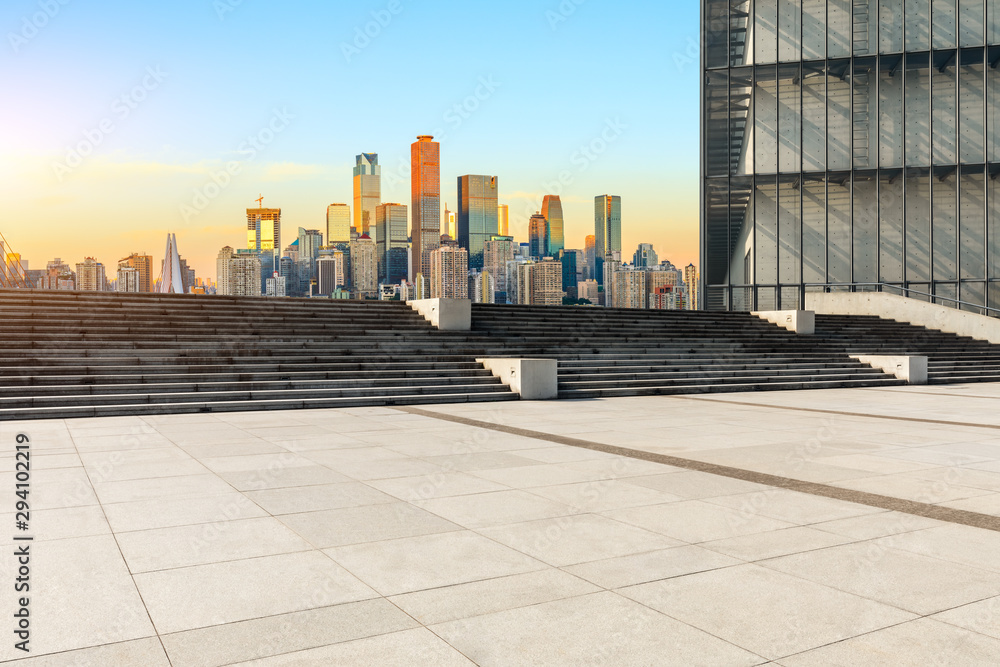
x,y
425,212
848,143
477,218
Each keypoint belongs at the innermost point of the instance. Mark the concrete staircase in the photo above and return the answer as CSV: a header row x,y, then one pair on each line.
x,y
611,352
950,358
75,354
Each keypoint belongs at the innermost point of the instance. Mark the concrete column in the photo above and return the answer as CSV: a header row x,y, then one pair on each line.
x,y
532,379
802,322
911,369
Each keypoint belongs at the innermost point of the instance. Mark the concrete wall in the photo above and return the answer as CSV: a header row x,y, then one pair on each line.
x,y
445,314
911,369
903,309
800,321
533,379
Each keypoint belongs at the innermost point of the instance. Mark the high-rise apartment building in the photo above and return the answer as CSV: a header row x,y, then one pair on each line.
x,y
847,145
128,280
503,219
645,256
607,230
90,276
391,242
691,280
338,224
477,215
364,267
553,214
367,191
482,287
628,288
497,252
425,212
143,264
546,283
449,276
224,272
538,237
244,273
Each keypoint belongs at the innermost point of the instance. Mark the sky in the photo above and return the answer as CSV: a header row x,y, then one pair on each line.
x,y
124,121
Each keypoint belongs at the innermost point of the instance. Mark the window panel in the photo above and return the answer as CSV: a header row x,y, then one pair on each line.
x,y
972,234
813,29
865,39
972,110
717,123
739,17
890,26
993,223
765,31
838,206
890,203
945,24
717,33
973,293
918,225
838,33
740,121
918,23
741,227
865,263
992,21
766,217
993,107
838,115
971,30
890,110
766,120
943,108
814,229
789,30
813,117
717,231
863,146
945,223
789,118
918,117
789,229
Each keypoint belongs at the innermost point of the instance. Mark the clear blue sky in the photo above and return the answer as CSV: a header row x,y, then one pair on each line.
x,y
559,77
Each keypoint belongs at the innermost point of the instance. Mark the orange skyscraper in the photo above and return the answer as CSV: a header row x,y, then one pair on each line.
x,y
425,187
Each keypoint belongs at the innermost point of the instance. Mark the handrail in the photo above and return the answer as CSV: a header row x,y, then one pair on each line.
x,y
904,289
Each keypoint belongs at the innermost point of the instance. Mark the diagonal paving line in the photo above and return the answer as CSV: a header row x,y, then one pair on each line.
x,y
946,514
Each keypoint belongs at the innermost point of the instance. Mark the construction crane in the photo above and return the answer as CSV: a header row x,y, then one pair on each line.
x,y
260,202
12,274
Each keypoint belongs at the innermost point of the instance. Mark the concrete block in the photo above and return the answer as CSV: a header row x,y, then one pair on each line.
x,y
800,321
911,369
533,379
445,314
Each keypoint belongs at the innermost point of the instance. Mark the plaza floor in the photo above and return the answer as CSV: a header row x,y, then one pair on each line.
x,y
839,527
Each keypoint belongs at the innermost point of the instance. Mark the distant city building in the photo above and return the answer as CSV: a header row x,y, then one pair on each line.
x,y
503,219
143,264
569,271
449,273
607,230
244,273
693,282
391,242
224,272
425,212
338,224
90,276
450,223
669,297
554,235
645,256
497,252
364,267
513,277
589,289
538,238
612,261
367,191
628,288
477,215
482,287
264,236
546,283
127,280
326,269
590,260
276,285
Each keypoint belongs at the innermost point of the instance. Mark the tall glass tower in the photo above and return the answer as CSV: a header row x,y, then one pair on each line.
x,y
850,145
425,190
367,191
552,210
607,230
477,218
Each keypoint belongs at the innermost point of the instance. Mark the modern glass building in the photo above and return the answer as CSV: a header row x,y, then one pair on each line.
x,y
477,218
850,145
552,210
391,242
425,212
607,231
367,191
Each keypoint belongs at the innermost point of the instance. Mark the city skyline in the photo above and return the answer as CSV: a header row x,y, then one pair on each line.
x,y
160,158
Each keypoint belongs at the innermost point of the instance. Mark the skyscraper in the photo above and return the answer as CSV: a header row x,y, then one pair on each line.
x,y
425,189
645,256
503,219
553,213
450,224
338,224
607,230
143,264
224,272
546,283
244,273
449,272
846,144
568,260
691,279
264,236
589,257
391,242
90,276
496,253
477,215
367,191
538,238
